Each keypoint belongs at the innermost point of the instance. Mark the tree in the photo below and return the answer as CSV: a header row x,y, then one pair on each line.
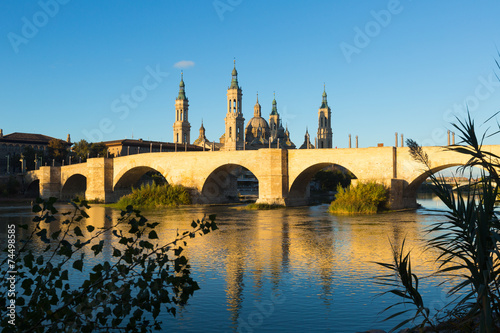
x,y
81,150
124,294
57,150
98,150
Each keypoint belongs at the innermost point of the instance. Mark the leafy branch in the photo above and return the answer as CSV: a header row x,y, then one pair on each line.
x,y
124,294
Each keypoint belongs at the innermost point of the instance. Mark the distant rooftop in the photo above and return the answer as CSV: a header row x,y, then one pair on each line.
x,y
17,137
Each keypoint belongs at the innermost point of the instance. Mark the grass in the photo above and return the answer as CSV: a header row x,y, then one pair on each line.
x,y
363,198
152,196
262,206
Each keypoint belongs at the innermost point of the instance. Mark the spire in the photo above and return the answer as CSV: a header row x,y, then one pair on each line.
x,y
324,103
182,93
274,110
234,81
202,129
257,108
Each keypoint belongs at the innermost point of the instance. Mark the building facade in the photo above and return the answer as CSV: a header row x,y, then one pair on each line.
x,y
13,148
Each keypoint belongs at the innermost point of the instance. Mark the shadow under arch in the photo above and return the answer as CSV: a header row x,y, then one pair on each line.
x,y
134,178
221,186
76,185
299,191
33,189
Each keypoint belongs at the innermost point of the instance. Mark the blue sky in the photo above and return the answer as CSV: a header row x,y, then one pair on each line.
x,y
389,66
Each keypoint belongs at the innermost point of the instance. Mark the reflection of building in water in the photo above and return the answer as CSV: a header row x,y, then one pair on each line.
x,y
254,252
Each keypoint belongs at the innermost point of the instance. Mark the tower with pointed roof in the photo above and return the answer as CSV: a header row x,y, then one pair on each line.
x,y
307,141
182,128
274,120
234,138
324,124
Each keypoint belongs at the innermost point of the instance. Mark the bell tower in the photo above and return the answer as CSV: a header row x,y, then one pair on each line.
x,y
274,120
324,124
182,128
235,133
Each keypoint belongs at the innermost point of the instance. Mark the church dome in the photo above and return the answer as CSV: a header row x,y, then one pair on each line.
x,y
257,122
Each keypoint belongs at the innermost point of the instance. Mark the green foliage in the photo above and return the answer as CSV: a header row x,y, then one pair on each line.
x,y
57,150
468,242
401,268
331,179
262,206
82,149
364,198
124,294
155,196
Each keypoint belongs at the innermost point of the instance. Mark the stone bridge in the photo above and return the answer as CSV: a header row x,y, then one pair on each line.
x,y
283,175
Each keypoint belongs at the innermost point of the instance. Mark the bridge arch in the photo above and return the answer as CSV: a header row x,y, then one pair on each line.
x,y
131,177
220,186
33,188
414,184
299,187
75,185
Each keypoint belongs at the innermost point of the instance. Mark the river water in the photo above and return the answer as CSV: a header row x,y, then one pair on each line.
x,y
286,270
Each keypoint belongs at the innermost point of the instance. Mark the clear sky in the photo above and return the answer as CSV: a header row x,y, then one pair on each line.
x,y
389,66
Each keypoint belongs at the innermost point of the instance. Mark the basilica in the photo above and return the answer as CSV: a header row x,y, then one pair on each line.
x,y
258,133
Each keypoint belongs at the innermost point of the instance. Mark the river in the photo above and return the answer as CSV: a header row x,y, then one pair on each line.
x,y
286,270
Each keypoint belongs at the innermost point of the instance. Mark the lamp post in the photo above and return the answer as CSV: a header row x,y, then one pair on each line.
x,y
23,166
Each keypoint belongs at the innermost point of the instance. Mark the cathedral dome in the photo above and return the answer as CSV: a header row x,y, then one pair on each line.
x,y
257,122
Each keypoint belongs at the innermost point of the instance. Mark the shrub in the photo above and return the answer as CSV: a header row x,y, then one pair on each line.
x,y
363,198
155,196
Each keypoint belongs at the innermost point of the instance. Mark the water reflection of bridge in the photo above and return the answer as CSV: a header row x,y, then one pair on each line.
x,y
297,253
283,175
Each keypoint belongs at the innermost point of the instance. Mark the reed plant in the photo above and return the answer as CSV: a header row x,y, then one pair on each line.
x,y
468,242
362,198
151,196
